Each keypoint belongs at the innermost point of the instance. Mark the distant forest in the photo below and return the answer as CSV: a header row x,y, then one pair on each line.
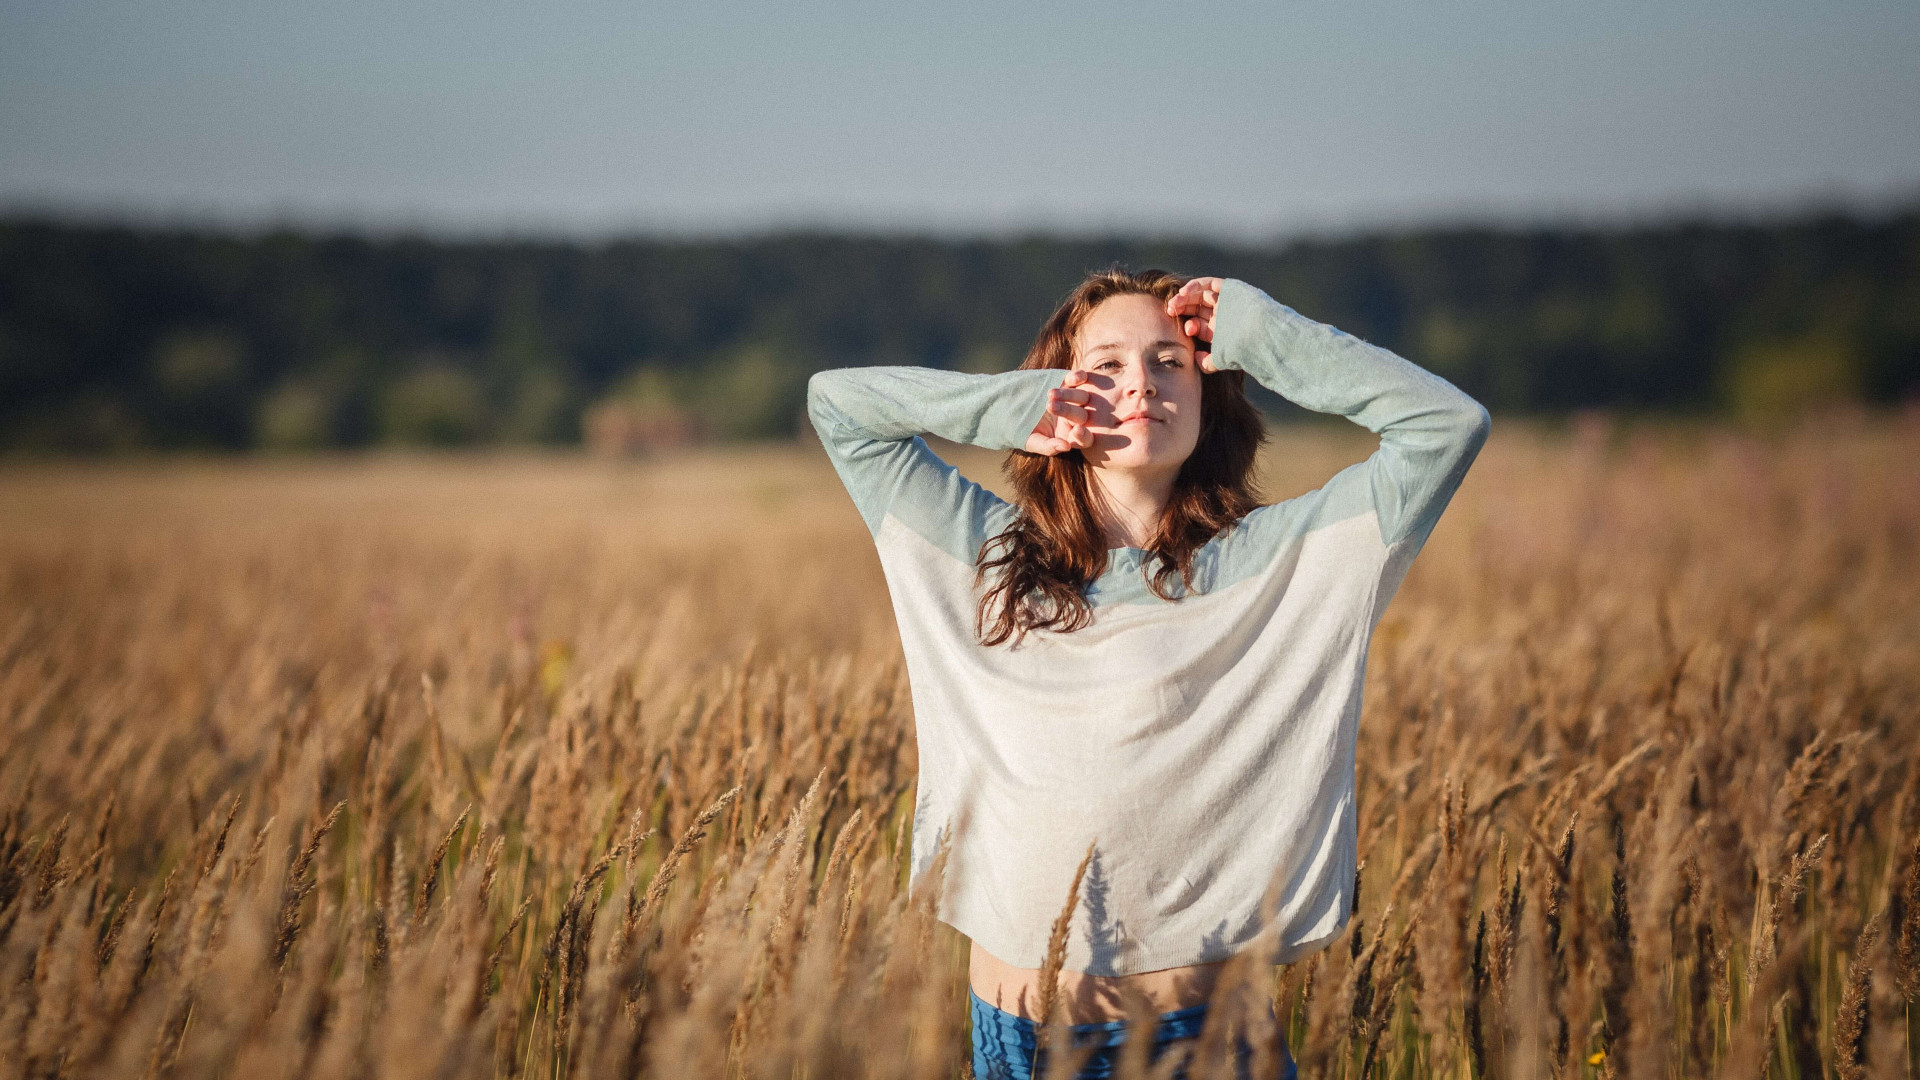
x,y
123,338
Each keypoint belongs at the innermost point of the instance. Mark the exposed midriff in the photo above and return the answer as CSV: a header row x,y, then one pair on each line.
x,y
1089,998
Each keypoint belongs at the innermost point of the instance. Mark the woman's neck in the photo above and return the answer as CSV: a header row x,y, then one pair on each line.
x,y
1128,504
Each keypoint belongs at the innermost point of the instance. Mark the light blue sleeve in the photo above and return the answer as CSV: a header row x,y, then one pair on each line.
x,y
870,419
1429,430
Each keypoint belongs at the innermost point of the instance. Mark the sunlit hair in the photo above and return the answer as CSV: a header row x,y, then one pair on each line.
x,y
1042,564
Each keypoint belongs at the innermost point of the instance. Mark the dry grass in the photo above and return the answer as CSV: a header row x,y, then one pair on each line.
x,y
524,767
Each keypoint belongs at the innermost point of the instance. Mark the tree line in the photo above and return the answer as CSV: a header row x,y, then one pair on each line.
x,y
114,337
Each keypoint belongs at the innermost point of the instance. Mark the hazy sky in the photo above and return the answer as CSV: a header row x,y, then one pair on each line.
x,y
1233,121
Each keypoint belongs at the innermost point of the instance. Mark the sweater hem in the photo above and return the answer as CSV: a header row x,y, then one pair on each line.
x,y
1141,962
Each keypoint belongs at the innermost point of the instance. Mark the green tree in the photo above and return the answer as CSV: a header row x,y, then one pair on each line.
x,y
1772,382
434,404
297,415
752,391
201,377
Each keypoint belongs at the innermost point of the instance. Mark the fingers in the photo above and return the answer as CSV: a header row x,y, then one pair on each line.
x,y
1196,304
1067,436
1064,424
1191,289
1071,406
1195,295
1201,329
1066,395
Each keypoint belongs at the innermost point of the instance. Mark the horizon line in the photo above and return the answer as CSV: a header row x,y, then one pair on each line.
x,y
1866,207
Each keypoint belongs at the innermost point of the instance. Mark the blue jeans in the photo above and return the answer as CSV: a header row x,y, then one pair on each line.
x,y
1005,1046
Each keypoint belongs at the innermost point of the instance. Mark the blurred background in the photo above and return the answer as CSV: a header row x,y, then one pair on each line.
x,y
402,479
291,227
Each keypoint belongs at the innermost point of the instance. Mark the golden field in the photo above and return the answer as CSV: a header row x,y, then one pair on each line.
x,y
520,766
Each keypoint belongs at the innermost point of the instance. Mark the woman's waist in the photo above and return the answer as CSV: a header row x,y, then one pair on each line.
x,y
1082,998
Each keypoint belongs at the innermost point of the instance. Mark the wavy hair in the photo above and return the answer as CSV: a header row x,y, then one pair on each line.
x,y
1041,565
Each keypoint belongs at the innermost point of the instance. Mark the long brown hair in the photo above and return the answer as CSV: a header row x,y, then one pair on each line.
x,y
1054,549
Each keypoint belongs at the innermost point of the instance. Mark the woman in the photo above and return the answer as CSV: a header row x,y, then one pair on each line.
x,y
1135,670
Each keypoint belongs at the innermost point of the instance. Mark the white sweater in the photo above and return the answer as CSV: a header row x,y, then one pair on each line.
x,y
1203,746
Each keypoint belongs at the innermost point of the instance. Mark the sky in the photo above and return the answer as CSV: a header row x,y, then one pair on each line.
x,y
1236,122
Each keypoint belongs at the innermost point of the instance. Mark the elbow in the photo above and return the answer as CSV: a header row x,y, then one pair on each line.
x,y
819,389
830,395
1473,425
1460,431
1482,423
820,394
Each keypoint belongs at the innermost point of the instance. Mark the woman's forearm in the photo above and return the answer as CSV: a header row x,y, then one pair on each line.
x,y
867,419
1429,429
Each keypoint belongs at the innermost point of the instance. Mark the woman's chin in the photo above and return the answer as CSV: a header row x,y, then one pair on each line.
x,y
1131,450
1135,460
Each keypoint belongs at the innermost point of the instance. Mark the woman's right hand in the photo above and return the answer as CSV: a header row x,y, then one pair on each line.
x,y
1063,426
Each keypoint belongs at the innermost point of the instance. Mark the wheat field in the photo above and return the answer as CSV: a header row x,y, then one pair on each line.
x,y
523,766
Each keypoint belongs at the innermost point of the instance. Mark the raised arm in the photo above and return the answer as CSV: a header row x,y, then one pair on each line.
x,y
869,420
1429,430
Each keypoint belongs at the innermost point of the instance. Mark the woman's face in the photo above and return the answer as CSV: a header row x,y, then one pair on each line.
x,y
1145,386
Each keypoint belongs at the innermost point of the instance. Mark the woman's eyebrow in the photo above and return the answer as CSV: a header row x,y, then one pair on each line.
x,y
1161,344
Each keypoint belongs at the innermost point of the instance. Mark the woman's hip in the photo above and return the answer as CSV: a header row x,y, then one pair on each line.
x,y
1006,1046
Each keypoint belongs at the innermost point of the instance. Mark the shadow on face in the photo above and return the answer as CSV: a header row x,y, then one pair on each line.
x,y
1145,384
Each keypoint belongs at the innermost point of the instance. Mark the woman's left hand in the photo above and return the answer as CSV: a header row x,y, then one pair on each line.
x,y
1195,305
